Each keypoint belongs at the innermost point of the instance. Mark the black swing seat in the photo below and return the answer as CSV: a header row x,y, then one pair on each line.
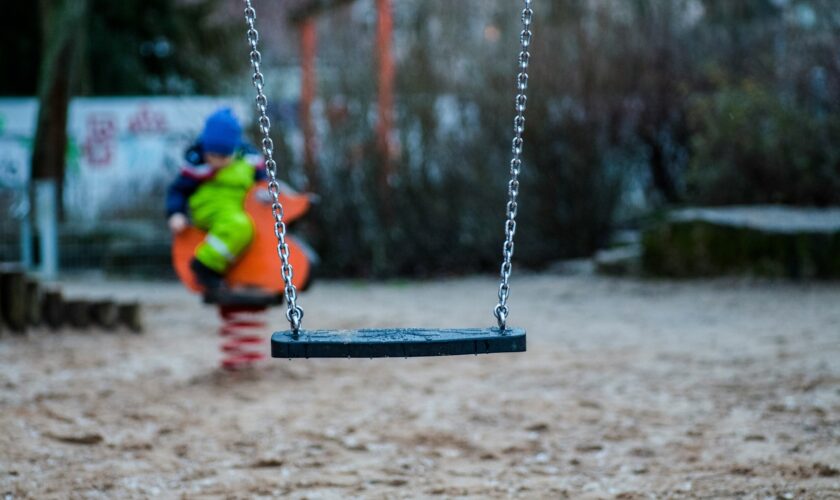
x,y
395,342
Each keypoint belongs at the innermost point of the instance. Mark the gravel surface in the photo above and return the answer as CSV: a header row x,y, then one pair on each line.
x,y
629,389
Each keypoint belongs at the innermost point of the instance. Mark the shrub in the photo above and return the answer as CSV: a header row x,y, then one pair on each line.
x,y
752,146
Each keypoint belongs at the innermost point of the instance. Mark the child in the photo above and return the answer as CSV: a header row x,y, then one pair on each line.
x,y
213,186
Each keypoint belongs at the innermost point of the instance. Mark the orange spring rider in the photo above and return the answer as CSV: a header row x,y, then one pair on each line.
x,y
243,330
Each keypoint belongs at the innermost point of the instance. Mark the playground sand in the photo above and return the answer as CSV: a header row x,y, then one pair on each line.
x,y
629,389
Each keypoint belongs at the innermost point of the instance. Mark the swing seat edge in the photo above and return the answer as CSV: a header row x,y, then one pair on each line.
x,y
396,342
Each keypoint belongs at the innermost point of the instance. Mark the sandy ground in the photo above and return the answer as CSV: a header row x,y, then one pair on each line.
x,y
629,389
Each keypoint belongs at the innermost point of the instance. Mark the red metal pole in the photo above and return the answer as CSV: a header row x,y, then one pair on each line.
x,y
309,86
387,73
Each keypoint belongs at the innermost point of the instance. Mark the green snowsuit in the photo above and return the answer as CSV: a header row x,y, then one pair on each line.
x,y
218,207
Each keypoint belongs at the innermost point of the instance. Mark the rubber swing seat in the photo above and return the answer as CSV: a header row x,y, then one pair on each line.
x,y
395,342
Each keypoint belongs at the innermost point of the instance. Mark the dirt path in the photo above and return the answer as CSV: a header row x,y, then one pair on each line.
x,y
629,389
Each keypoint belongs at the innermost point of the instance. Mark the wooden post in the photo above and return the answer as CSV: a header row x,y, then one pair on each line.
x,y
309,85
33,302
105,314
129,316
13,308
52,309
77,313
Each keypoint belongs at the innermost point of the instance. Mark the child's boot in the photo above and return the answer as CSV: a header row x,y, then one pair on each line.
x,y
211,280
217,292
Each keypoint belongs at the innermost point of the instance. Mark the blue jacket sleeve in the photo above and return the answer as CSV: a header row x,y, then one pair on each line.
x,y
178,193
255,157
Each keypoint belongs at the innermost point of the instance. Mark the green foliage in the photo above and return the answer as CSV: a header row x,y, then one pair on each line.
x,y
161,47
19,61
572,190
751,146
131,47
441,212
421,228
444,209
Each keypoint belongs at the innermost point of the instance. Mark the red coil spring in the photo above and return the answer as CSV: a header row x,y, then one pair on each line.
x,y
243,333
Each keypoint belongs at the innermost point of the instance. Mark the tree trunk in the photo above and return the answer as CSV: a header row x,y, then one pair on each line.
x,y
61,28
663,181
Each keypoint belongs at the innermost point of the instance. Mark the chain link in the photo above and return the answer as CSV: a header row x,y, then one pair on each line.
x,y
501,309
293,312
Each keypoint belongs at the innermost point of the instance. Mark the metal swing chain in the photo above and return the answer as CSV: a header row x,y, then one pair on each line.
x,y
501,309
293,312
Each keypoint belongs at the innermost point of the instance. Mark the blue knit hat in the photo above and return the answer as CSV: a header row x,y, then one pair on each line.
x,y
222,133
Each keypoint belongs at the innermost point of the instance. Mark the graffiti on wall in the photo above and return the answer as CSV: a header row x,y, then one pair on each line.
x,y
122,152
100,141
